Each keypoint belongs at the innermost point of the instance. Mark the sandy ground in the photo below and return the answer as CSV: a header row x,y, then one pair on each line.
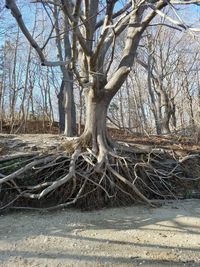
x,y
22,143
131,236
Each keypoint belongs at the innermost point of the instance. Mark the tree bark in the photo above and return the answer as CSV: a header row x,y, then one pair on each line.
x,y
95,132
67,112
61,108
66,105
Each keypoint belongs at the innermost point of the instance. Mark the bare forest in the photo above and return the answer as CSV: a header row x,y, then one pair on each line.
x,y
109,92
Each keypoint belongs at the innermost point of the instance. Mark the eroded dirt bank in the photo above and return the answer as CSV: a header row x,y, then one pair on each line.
x,y
131,236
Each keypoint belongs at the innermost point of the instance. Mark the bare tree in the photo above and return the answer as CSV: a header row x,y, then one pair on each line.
x,y
67,112
94,29
161,65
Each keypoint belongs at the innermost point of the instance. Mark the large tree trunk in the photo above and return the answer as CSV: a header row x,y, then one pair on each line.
x,y
95,132
162,125
165,126
162,122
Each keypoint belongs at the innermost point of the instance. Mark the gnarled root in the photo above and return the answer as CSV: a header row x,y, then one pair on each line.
x,y
60,180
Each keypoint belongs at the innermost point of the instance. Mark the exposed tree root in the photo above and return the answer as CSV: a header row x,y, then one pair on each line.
x,y
59,180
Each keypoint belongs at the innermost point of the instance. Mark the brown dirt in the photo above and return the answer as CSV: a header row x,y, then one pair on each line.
x,y
25,142
175,142
131,236
32,126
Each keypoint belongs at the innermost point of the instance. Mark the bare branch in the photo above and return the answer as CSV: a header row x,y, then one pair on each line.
x,y
166,25
133,39
185,2
104,32
55,3
68,9
115,15
176,22
11,4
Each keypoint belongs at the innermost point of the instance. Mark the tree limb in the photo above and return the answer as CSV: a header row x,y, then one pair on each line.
x,y
11,4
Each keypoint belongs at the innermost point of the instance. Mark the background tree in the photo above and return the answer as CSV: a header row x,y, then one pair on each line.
x,y
67,112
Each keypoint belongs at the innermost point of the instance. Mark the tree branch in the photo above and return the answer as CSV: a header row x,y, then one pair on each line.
x,y
11,4
104,32
115,15
68,9
130,49
176,22
55,3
